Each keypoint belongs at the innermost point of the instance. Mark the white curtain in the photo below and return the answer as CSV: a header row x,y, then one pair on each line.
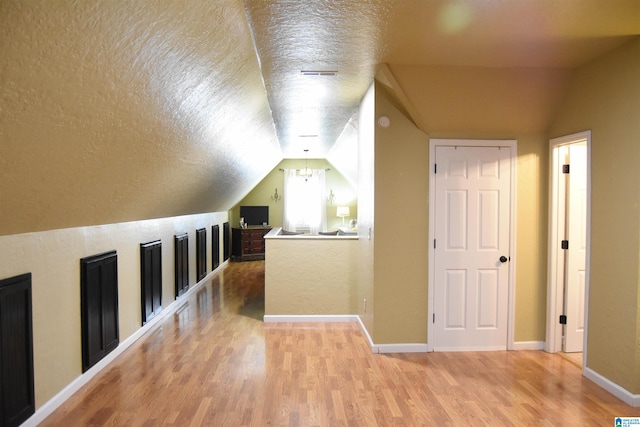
x,y
290,216
321,200
305,205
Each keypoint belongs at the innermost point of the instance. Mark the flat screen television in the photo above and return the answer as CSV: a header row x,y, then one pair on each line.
x,y
255,215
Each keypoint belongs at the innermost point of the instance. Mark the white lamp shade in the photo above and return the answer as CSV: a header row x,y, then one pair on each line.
x,y
342,211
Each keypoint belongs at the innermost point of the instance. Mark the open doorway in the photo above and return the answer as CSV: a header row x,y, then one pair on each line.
x,y
569,213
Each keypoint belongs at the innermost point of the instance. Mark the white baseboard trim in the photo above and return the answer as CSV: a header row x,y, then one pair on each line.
x,y
393,348
528,345
366,334
613,388
459,349
52,404
402,348
375,348
299,318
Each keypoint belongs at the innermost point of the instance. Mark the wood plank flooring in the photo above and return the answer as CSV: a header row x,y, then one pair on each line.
x,y
215,363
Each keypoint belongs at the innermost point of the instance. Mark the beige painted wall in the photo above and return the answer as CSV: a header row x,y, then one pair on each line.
x,y
604,97
366,203
310,275
393,175
260,195
501,103
531,216
531,234
401,222
53,258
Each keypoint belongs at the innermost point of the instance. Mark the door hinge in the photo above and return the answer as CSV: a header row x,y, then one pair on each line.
x,y
563,319
435,168
565,168
564,244
434,318
434,243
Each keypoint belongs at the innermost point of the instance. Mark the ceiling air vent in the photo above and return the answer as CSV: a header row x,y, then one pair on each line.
x,y
319,72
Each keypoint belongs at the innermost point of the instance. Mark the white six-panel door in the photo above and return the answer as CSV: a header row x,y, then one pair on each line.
x,y
472,233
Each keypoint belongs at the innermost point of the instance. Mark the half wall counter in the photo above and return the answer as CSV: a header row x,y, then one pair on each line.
x,y
310,274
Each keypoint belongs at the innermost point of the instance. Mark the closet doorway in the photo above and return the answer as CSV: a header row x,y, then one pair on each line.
x,y
569,207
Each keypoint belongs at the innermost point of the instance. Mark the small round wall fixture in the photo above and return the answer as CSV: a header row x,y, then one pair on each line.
x,y
383,121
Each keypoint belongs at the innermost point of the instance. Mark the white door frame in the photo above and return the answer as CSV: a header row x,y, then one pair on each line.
x,y
555,287
513,145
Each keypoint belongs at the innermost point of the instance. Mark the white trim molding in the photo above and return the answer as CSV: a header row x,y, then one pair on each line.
x,y
528,345
555,273
393,348
401,348
366,334
375,348
613,388
301,318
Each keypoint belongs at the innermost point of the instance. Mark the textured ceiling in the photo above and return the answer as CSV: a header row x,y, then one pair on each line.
x,y
355,37
113,110
295,36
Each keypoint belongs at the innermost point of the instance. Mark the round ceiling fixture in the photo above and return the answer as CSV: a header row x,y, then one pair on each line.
x,y
383,121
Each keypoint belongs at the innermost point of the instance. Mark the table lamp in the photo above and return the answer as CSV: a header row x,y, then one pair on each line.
x,y
342,211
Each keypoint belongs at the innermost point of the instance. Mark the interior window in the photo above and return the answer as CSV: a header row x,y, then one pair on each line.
x,y
305,200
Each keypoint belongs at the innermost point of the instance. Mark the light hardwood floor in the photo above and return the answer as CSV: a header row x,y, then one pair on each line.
x,y
215,363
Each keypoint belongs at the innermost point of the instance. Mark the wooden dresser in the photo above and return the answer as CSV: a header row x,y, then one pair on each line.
x,y
247,244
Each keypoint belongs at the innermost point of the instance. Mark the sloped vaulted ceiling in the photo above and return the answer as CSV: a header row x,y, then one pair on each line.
x,y
471,49
318,58
115,111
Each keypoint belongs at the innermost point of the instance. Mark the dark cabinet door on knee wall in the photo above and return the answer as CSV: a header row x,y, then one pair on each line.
x,y
201,253
215,246
151,279
181,247
99,297
17,402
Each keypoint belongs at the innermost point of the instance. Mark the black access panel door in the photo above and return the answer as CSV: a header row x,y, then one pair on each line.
x,y
181,247
99,307
215,246
17,401
201,253
151,279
